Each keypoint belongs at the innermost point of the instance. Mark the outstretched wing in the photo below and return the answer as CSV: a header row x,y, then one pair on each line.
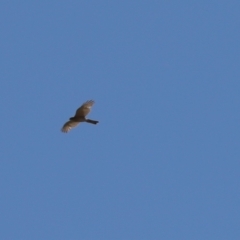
x,y
68,126
84,110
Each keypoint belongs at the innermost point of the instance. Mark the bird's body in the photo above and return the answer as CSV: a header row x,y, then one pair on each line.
x,y
78,119
80,116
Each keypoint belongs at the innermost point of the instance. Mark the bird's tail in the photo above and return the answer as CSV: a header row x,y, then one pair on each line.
x,y
91,121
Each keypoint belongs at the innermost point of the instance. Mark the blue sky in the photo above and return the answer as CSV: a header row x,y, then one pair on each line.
x,y
163,163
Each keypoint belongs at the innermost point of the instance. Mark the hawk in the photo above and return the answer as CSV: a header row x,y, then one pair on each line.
x,y
80,116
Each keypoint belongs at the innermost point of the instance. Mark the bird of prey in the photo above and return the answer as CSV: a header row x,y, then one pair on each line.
x,y
80,116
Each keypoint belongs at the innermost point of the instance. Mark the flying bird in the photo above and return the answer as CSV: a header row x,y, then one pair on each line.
x,y
80,116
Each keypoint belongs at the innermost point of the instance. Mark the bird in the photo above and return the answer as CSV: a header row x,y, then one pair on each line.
x,y
80,116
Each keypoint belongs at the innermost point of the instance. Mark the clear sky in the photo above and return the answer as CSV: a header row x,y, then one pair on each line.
x,y
164,160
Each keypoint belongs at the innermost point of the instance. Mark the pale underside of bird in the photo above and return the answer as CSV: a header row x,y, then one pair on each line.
x,y
80,116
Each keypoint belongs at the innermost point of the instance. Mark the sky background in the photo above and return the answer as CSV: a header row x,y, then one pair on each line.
x,y
163,163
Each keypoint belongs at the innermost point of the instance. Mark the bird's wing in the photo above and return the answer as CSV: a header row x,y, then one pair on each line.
x,y
68,126
84,109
